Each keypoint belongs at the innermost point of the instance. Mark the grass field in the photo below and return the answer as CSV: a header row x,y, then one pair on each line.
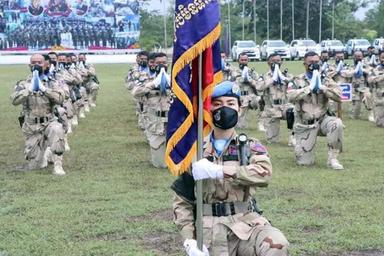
x,y
112,202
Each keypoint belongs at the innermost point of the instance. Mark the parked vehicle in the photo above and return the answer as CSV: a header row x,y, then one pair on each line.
x,y
357,44
378,43
249,47
301,46
269,47
332,46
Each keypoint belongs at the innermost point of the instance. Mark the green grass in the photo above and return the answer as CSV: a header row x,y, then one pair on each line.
x,y
112,202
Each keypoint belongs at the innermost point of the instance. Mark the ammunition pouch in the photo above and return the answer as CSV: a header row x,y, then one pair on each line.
x,y
261,104
290,118
184,186
21,120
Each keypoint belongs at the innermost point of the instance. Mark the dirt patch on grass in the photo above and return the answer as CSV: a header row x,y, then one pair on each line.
x,y
311,229
163,214
163,243
356,253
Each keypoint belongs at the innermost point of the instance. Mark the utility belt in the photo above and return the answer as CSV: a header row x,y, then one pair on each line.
x,y
277,102
37,120
310,121
225,158
220,209
159,113
153,94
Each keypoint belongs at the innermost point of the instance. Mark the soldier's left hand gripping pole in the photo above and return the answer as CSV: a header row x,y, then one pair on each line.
x,y
199,183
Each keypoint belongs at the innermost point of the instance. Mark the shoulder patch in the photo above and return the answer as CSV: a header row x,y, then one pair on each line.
x,y
258,148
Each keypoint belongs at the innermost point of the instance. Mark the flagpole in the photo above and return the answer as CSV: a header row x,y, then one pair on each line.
x,y
199,183
165,25
307,22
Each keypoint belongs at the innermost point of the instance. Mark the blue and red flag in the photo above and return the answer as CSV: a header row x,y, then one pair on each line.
x,y
197,31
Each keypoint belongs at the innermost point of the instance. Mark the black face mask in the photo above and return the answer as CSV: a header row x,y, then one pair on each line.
x,y
152,69
62,64
143,63
38,68
325,60
313,67
274,64
241,66
82,61
54,63
159,67
225,118
356,61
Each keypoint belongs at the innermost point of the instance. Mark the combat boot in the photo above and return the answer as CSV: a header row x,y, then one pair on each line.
x,y
86,107
58,168
81,114
292,140
66,145
371,116
74,120
261,127
69,131
46,157
332,159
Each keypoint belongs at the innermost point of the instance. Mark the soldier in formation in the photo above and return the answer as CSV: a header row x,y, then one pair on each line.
x,y
310,93
273,86
149,84
49,97
233,224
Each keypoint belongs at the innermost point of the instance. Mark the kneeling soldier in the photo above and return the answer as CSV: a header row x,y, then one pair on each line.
x,y
232,168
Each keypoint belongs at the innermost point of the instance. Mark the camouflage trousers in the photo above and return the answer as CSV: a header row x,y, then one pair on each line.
x,y
271,117
94,91
379,109
40,136
247,102
155,133
306,136
252,237
359,98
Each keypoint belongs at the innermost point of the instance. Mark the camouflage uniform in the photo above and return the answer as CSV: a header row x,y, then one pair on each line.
x,y
237,228
311,119
135,78
248,99
360,93
276,105
69,82
41,129
156,118
90,83
376,80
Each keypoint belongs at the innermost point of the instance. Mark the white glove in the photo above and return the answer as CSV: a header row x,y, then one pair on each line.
x,y
204,169
168,78
245,74
157,80
190,246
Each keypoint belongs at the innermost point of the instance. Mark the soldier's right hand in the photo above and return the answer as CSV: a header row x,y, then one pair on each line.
x,y
190,246
157,80
204,169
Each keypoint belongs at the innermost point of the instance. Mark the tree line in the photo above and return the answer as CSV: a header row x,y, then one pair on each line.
x,y
346,25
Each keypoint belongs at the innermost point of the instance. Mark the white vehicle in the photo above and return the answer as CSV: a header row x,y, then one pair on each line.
x,y
332,46
357,44
269,47
300,47
378,43
248,47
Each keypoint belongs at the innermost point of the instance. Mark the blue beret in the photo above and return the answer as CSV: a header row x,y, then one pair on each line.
x,y
226,88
